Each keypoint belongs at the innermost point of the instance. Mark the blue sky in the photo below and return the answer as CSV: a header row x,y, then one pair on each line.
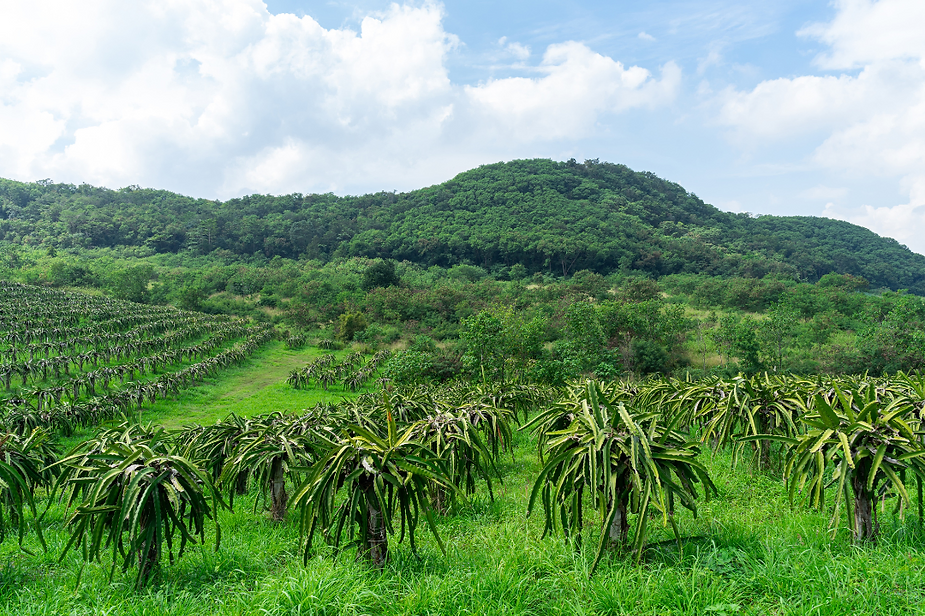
x,y
783,107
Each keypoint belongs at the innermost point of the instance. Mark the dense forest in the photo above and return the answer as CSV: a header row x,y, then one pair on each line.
x,y
543,216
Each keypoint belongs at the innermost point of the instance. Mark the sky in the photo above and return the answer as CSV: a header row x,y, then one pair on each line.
x,y
786,107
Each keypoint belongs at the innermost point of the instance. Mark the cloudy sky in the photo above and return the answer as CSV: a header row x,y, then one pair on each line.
x,y
784,107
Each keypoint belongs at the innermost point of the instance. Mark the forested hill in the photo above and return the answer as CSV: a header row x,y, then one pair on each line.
x,y
559,217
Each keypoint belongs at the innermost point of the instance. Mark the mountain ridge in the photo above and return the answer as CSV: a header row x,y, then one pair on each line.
x,y
556,217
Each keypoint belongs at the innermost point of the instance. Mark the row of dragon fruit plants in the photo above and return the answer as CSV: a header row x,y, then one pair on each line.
x,y
69,359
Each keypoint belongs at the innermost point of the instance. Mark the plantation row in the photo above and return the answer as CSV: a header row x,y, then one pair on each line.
x,y
36,313
38,370
362,472
351,371
84,341
51,412
62,355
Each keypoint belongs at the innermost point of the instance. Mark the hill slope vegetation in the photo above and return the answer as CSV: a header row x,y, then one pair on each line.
x,y
554,217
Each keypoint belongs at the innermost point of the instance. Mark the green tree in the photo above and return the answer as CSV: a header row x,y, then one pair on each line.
x,y
380,274
725,336
746,345
584,338
131,283
349,324
896,340
775,333
500,343
643,331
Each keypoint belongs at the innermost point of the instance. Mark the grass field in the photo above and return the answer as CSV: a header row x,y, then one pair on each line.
x,y
255,387
748,552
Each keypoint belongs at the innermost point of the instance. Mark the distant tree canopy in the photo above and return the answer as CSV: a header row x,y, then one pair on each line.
x,y
511,219
380,274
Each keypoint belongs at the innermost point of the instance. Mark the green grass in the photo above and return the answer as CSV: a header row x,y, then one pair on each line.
x,y
255,387
748,552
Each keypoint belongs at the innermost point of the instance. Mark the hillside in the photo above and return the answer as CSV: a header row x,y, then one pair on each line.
x,y
557,217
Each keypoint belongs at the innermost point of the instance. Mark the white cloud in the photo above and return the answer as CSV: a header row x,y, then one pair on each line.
x,y
645,36
714,58
865,32
518,50
784,108
219,97
575,88
864,124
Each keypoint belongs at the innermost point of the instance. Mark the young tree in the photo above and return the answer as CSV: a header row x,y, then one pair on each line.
x,y
380,274
349,324
776,332
500,343
131,283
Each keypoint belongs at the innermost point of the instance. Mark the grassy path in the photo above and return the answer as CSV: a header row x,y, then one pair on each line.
x,y
255,387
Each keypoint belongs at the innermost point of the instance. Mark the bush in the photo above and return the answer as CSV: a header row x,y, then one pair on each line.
x,y
424,344
554,371
349,324
649,357
268,301
380,274
408,367
62,273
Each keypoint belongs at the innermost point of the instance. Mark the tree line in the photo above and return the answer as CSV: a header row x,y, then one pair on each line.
x,y
546,216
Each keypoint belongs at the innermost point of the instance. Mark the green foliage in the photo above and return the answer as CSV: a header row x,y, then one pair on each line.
x,y
546,216
466,441
367,480
484,337
408,367
646,333
22,463
733,409
590,283
868,449
584,336
66,273
131,283
738,337
500,344
775,334
895,340
268,451
624,458
649,357
380,274
636,290
190,298
131,492
349,324
212,447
